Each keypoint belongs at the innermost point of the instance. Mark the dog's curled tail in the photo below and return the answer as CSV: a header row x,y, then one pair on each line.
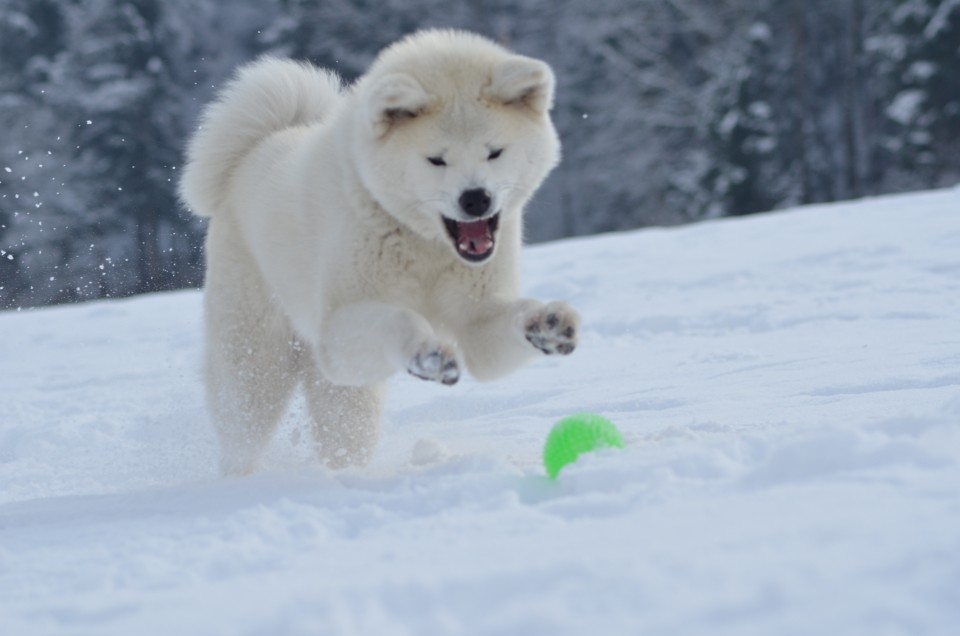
x,y
264,97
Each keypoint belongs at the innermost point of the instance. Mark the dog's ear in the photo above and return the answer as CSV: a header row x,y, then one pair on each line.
x,y
522,82
394,99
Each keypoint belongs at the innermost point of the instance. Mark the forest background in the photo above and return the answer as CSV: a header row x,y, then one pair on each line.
x,y
670,112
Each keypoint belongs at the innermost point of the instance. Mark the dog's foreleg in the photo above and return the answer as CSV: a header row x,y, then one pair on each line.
x,y
510,335
364,343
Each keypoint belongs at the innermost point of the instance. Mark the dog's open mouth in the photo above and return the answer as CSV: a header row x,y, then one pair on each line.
x,y
474,240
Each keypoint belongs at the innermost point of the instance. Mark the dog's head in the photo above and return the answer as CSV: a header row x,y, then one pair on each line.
x,y
454,135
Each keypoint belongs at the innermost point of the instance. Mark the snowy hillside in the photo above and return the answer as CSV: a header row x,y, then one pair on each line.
x,y
788,386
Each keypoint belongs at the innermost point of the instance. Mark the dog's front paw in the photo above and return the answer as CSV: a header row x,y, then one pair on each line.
x,y
436,363
553,328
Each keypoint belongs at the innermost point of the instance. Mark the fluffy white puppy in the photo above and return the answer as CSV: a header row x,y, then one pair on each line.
x,y
359,232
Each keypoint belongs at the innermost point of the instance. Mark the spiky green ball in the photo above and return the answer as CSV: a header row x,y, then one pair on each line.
x,y
577,434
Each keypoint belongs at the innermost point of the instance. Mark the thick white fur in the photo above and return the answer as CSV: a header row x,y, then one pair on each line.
x,y
328,261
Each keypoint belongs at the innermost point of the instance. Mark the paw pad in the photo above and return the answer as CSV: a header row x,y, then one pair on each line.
x,y
435,364
553,329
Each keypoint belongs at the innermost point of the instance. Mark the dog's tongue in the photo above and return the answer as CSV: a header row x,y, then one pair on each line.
x,y
475,238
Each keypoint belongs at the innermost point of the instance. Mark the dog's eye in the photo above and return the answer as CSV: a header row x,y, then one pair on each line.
x,y
437,161
496,152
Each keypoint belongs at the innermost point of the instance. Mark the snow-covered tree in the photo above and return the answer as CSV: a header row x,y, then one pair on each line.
x,y
31,33
747,173
121,86
104,103
922,118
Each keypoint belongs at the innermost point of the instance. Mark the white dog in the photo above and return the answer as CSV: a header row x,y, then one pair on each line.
x,y
361,231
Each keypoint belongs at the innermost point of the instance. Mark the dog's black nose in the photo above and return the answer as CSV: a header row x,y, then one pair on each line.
x,y
475,202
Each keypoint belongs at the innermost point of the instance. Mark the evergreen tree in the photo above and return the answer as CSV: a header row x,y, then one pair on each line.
x,y
31,34
923,117
345,35
121,86
746,175
797,119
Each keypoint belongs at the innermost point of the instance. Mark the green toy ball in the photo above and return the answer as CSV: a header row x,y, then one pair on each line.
x,y
577,434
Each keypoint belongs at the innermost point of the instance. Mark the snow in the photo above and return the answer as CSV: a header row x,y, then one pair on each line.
x,y
905,108
788,386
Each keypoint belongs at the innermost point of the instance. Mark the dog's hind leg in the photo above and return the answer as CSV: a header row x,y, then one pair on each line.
x,y
249,386
251,356
346,419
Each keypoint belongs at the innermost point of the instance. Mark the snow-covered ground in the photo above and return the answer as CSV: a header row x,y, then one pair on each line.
x,y
788,386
